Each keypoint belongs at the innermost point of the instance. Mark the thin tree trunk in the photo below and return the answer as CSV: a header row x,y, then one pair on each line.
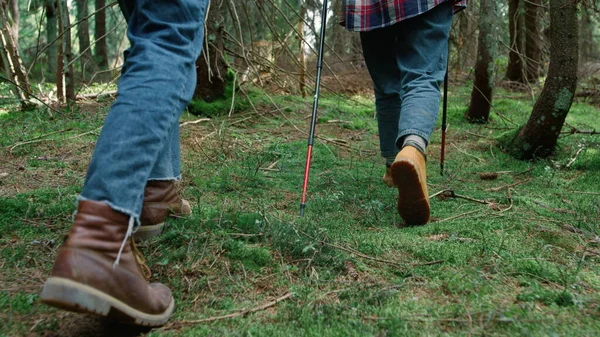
x,y
67,52
533,48
466,43
481,95
101,54
13,60
586,28
539,136
83,33
12,7
301,57
60,78
51,35
515,69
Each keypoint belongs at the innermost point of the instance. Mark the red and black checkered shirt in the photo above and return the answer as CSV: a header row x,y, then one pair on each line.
x,y
365,15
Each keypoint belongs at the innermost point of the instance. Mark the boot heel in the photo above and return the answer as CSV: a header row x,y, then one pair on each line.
x,y
68,295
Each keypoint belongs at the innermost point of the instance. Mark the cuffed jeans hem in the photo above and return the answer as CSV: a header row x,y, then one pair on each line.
x,y
177,178
407,132
131,214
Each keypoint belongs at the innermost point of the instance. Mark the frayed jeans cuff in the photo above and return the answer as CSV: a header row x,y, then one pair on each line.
x,y
177,178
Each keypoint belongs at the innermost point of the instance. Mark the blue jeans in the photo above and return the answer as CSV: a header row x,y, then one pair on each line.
x,y
140,137
407,62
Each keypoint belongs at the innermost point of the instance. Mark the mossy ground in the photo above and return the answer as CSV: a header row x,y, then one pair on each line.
x,y
518,257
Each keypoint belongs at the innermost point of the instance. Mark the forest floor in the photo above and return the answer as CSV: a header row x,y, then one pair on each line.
x,y
513,247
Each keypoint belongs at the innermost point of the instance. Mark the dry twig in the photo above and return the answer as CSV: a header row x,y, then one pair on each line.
x,y
243,312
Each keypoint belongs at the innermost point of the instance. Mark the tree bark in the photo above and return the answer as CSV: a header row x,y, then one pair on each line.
x,y
533,48
51,35
515,70
301,57
586,27
211,69
60,75
83,33
481,95
67,52
466,45
101,52
13,60
538,138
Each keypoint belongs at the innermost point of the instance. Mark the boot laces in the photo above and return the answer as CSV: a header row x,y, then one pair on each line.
x,y
139,258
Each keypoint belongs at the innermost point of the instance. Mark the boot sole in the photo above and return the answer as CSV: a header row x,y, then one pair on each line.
x,y
413,203
146,232
73,296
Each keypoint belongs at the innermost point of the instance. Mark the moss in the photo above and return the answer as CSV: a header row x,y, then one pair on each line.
x,y
563,102
222,105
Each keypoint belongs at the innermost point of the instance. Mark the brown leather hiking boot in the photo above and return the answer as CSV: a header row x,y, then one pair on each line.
x,y
409,175
160,201
89,276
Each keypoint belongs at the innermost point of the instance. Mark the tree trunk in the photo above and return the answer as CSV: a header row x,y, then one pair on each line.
x,y
539,136
301,57
211,69
481,95
83,33
101,53
515,70
586,29
60,76
51,35
466,45
533,48
67,53
13,60
13,18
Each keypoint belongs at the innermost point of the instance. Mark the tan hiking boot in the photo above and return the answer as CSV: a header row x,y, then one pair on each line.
x,y
387,177
409,175
160,201
98,271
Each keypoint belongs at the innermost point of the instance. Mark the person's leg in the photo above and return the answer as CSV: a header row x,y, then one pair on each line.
x,y
421,53
161,198
166,38
380,58
97,269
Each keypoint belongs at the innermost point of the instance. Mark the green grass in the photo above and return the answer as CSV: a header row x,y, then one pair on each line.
x,y
525,264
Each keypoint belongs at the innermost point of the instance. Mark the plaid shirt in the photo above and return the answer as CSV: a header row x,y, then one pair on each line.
x,y
365,15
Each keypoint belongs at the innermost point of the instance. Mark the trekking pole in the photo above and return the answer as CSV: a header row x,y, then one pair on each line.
x,y
444,125
313,121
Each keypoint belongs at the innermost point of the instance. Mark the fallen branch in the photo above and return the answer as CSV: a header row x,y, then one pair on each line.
x,y
96,95
451,194
195,122
496,189
556,210
37,139
243,312
456,216
575,157
353,251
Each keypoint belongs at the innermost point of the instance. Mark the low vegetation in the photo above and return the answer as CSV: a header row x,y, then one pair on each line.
x,y
512,248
